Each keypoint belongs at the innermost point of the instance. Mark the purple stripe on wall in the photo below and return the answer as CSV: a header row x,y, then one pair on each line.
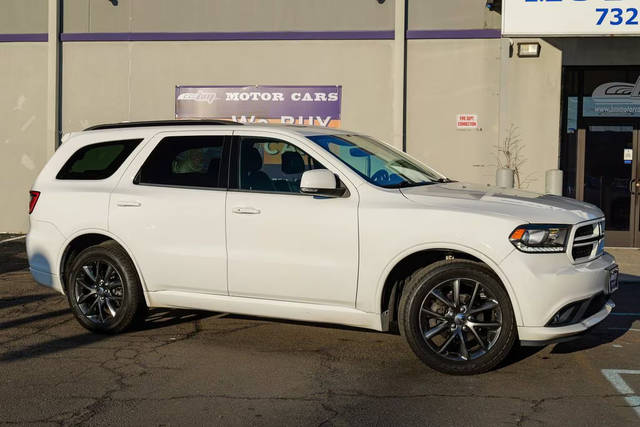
x,y
220,36
31,37
257,35
454,34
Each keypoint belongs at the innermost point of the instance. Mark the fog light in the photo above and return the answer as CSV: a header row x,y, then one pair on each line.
x,y
528,50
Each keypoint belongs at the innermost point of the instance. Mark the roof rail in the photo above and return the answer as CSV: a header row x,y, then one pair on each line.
x,y
162,123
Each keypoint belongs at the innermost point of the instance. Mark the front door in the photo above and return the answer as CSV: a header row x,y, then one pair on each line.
x,y
283,244
609,176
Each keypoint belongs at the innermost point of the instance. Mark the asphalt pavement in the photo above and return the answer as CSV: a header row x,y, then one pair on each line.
x,y
202,368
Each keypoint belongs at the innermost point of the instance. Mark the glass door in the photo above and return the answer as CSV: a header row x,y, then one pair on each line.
x,y
607,153
599,145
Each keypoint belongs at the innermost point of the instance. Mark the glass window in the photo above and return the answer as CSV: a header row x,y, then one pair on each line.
x,y
272,165
97,161
185,161
376,162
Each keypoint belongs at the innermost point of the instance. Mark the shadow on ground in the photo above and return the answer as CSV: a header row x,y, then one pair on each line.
x,y
157,318
13,256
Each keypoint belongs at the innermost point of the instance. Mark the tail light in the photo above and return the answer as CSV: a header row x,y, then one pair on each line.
x,y
35,195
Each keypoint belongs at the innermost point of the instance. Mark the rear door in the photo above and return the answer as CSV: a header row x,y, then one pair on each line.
x,y
169,209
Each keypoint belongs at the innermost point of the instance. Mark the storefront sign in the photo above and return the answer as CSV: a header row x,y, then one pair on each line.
x,y
570,17
308,105
615,99
466,121
628,156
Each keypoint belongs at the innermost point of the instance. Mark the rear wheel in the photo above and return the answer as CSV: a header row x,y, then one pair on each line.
x,y
457,317
104,291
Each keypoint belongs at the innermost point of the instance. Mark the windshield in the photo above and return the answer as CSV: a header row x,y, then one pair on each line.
x,y
376,162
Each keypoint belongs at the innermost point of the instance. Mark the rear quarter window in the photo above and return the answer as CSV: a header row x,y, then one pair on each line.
x,y
97,161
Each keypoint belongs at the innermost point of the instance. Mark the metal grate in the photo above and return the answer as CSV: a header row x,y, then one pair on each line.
x,y
581,251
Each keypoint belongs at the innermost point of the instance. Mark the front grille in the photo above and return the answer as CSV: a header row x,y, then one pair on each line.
x,y
581,251
588,241
585,230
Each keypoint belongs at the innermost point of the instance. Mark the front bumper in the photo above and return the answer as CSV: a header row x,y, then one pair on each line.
x,y
537,336
545,283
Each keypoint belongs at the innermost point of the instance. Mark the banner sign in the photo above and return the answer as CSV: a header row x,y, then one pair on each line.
x,y
615,99
570,17
300,105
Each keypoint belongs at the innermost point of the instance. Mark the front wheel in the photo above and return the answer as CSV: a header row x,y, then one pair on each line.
x,y
457,317
103,289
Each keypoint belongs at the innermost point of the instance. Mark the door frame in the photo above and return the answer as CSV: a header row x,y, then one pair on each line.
x,y
614,238
574,86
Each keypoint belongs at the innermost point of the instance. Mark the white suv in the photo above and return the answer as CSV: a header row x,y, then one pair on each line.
x,y
312,224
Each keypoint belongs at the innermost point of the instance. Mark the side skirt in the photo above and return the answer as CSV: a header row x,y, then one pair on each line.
x,y
266,308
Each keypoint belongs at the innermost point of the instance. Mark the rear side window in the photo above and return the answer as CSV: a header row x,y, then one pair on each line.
x,y
97,161
185,161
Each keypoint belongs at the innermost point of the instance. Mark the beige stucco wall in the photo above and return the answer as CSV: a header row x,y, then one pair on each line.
x,y
451,77
530,105
226,15
451,15
446,78
23,16
106,82
23,85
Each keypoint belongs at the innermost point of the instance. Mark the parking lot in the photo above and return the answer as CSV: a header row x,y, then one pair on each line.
x,y
187,367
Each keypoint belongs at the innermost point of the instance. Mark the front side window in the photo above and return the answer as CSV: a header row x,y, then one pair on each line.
x,y
185,161
267,164
97,161
376,162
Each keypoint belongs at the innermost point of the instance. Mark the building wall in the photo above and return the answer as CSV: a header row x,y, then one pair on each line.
x,y
446,78
23,16
104,82
23,85
451,15
515,98
530,108
226,15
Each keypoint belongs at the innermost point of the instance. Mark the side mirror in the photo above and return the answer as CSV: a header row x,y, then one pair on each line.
x,y
321,182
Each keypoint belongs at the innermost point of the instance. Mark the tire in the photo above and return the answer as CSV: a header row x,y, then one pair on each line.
x,y
434,324
104,290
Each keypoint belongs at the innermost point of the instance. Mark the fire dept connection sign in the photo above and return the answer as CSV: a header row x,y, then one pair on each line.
x,y
570,17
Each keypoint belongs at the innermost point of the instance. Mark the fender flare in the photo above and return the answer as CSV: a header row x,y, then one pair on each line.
x,y
493,265
106,233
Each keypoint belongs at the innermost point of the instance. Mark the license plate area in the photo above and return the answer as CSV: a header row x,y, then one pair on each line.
x,y
611,284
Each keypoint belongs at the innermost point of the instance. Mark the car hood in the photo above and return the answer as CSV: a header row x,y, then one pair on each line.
x,y
524,205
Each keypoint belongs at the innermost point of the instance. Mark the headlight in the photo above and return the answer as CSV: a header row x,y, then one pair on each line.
x,y
538,238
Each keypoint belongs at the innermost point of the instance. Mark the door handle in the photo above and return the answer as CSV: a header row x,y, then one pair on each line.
x,y
633,186
246,211
128,204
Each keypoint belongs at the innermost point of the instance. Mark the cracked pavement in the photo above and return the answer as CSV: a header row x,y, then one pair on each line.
x,y
188,367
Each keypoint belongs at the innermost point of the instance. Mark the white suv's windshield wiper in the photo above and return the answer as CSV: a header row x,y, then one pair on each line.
x,y
406,184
